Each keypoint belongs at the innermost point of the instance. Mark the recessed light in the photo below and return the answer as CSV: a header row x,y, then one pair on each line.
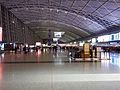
x,y
57,10
51,9
13,21
84,18
66,12
26,8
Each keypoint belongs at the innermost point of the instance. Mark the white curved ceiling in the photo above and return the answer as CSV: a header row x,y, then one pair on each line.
x,y
83,16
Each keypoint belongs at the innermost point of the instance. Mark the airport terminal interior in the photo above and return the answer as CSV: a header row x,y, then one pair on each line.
x,y
59,44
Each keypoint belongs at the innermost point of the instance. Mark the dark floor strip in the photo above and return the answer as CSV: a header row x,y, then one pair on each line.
x,y
48,62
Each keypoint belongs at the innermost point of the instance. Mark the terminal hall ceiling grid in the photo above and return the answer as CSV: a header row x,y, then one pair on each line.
x,y
79,19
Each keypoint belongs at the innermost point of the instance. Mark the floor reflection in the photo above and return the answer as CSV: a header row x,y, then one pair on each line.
x,y
111,58
38,54
2,57
115,59
1,72
58,57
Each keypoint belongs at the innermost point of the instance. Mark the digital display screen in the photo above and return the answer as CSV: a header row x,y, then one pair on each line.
x,y
58,34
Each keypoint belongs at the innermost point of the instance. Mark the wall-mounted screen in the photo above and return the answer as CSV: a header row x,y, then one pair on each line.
x,y
58,34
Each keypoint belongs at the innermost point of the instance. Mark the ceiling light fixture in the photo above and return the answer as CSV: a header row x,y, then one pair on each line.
x,y
13,21
26,8
51,9
66,12
57,10
84,18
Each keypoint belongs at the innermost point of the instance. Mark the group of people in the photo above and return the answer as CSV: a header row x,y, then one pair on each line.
x,y
25,49
21,48
74,52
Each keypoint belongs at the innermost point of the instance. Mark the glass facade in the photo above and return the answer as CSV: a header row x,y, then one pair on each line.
x,y
14,30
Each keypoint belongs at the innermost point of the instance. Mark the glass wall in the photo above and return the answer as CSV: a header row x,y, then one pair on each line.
x,y
14,30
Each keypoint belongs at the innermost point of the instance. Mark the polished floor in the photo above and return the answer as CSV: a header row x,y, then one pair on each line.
x,y
56,71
